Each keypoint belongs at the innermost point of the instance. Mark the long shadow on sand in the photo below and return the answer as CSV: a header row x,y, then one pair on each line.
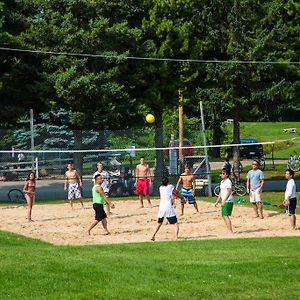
x,y
128,216
56,219
252,230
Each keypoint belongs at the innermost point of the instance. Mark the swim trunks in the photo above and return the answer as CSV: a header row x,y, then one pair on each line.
x,y
142,187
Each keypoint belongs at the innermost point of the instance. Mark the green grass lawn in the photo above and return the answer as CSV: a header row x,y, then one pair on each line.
x,y
265,268
271,131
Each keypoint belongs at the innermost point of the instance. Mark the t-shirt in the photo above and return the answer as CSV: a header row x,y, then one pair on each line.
x,y
255,177
290,191
105,183
165,205
96,196
224,186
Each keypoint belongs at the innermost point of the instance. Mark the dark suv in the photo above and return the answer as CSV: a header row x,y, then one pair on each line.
x,y
248,151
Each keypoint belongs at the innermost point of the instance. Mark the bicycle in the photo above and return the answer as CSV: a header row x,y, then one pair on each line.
x,y
261,161
294,162
237,188
16,196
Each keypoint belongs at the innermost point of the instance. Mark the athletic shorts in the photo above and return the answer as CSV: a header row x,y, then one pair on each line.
x,y
142,187
227,209
74,191
255,196
171,220
99,211
291,208
187,193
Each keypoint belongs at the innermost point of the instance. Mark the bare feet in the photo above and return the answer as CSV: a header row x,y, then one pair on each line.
x,y
153,239
107,233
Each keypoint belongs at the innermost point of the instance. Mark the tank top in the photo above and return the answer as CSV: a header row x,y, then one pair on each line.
x,y
96,196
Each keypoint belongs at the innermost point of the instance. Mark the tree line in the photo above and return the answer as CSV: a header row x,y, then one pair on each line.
x,y
113,92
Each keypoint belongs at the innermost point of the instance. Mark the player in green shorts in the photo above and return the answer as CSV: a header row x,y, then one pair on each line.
x,y
226,197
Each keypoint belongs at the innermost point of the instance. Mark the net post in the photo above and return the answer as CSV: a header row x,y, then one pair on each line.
x,y
205,150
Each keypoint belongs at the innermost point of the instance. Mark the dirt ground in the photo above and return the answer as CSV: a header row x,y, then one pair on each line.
x,y
59,225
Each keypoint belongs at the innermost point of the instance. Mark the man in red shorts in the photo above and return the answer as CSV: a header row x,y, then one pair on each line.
x,y
142,181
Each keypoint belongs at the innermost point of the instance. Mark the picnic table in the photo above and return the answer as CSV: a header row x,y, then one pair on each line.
x,y
290,130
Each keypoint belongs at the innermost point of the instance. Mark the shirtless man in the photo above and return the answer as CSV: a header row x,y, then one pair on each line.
x,y
188,187
72,178
142,181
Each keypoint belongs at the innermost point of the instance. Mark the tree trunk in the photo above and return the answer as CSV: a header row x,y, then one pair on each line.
x,y
236,140
78,157
159,169
217,134
101,139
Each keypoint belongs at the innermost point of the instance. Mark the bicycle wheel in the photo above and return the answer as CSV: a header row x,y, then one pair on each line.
x,y
240,189
294,164
217,190
262,163
17,196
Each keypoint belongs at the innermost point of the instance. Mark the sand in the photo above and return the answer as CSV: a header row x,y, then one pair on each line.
x,y
58,224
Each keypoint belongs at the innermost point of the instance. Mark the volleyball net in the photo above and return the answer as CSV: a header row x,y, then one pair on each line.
x,y
120,152
50,165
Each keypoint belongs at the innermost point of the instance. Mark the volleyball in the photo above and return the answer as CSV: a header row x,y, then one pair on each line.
x,y
150,118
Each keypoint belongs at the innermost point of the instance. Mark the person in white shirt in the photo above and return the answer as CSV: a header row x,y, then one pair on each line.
x,y
226,197
290,200
167,202
105,182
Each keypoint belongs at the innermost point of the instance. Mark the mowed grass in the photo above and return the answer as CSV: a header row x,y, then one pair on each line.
x,y
272,131
214,269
